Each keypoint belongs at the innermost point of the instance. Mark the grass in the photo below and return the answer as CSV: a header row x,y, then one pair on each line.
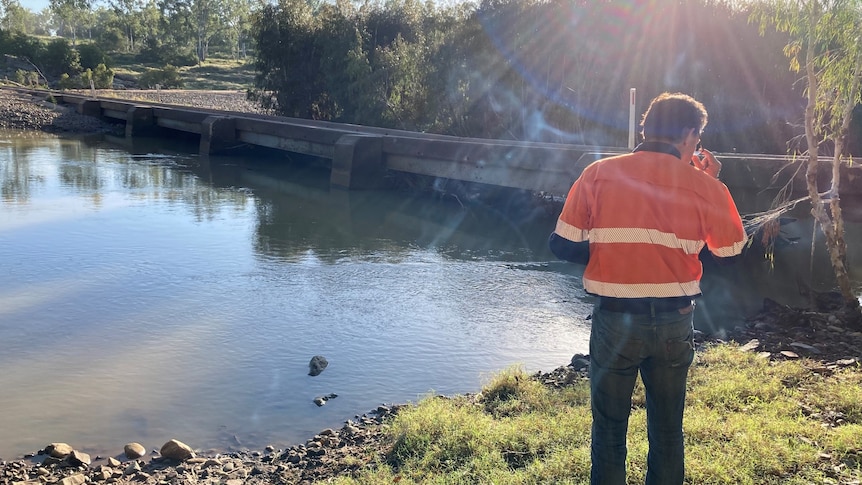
x,y
212,74
219,74
748,421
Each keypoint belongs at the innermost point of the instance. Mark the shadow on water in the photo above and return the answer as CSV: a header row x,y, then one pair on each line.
x,y
300,212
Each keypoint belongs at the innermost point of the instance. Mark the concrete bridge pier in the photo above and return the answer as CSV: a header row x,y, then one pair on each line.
x,y
358,163
140,120
217,134
90,107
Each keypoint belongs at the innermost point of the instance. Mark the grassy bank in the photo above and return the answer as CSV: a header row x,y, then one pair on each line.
x,y
748,420
212,74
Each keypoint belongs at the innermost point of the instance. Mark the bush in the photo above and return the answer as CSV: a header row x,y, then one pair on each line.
x,y
23,45
102,78
156,52
27,78
91,55
166,77
59,57
112,40
66,82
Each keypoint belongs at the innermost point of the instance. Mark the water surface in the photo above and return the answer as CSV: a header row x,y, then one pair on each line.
x,y
147,295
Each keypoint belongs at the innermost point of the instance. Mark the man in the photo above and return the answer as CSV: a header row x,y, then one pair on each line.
x,y
638,222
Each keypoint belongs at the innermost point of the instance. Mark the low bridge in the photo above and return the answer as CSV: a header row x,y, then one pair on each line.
x,y
361,156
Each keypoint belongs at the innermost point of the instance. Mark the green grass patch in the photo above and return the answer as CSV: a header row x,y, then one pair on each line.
x,y
748,421
212,74
219,74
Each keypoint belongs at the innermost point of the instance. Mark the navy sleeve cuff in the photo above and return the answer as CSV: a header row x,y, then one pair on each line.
x,y
575,252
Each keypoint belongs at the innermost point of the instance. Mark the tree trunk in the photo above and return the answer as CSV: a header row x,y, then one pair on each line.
x,y
833,228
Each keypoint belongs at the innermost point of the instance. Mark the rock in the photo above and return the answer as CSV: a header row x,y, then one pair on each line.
x,y
176,450
113,462
132,468
580,362
77,458
59,450
809,348
78,479
751,345
134,451
321,400
317,365
104,473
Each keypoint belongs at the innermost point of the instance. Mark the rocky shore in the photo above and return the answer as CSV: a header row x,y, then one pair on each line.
x,y
23,111
825,336
330,453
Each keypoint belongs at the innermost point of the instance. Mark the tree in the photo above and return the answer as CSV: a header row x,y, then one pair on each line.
x,y
71,13
237,20
206,15
15,18
127,15
825,46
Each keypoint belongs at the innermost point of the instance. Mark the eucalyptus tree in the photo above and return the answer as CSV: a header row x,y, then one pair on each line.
x,y
206,15
288,61
128,17
15,18
826,47
176,24
237,23
72,14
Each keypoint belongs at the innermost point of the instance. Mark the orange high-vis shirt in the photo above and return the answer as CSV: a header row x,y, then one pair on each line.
x,y
646,216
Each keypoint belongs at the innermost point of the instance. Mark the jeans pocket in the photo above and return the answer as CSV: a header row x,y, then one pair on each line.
x,y
613,342
679,352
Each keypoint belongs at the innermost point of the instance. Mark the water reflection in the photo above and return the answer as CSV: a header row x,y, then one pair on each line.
x,y
149,294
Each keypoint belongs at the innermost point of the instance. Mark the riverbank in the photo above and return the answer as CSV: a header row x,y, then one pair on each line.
x,y
21,111
817,339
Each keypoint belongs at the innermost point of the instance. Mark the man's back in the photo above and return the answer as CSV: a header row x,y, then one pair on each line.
x,y
647,216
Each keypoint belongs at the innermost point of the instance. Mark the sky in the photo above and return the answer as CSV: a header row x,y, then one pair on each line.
x,y
34,5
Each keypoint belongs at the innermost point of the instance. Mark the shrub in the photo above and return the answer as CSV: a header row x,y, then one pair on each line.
x,y
91,55
103,78
166,77
59,57
23,45
66,82
154,51
27,78
112,40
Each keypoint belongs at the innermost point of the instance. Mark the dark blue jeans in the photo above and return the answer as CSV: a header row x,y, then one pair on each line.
x,y
661,347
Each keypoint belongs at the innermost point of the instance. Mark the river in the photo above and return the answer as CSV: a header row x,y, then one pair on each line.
x,y
147,293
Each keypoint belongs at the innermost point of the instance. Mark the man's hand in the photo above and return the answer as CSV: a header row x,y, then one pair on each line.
x,y
708,164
